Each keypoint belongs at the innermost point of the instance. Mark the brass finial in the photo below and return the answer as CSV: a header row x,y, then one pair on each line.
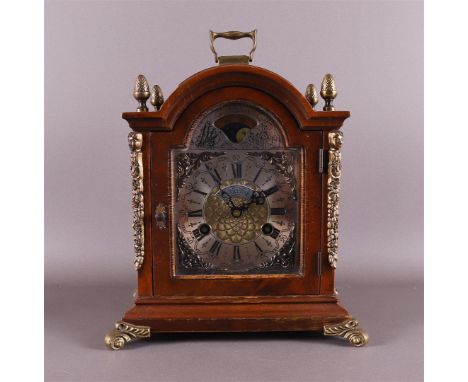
x,y
311,95
157,98
328,92
141,92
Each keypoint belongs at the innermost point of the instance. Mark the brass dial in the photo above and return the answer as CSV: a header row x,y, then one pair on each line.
x,y
234,217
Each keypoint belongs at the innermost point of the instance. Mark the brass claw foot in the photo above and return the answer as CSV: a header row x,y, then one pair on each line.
x,y
348,330
124,333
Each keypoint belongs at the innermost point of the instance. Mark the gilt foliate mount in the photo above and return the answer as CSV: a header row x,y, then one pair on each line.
x,y
135,142
335,139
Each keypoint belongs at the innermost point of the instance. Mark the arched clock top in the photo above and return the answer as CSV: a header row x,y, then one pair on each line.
x,y
244,76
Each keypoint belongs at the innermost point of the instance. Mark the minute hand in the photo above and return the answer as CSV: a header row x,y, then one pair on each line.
x,y
255,198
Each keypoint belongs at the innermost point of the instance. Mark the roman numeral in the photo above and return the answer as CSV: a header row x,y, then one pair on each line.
x,y
271,191
236,253
275,233
278,211
215,175
203,230
214,249
259,249
195,214
199,192
237,169
258,174
198,235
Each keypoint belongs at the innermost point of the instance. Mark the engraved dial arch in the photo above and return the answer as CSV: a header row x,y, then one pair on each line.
x,y
236,125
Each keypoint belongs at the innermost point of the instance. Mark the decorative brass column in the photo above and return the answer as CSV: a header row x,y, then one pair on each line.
x,y
135,142
335,139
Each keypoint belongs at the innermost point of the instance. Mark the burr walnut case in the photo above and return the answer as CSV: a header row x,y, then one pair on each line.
x,y
236,182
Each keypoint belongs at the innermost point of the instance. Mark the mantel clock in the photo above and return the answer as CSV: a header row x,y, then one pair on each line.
x,y
236,183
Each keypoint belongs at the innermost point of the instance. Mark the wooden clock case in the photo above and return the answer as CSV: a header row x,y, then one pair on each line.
x,y
167,303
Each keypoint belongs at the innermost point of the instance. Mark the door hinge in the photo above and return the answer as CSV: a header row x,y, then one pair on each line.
x,y
321,160
319,263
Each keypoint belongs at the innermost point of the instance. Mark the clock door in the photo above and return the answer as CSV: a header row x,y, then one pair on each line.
x,y
236,196
245,206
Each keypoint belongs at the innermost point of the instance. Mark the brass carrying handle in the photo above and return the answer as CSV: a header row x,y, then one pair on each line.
x,y
233,35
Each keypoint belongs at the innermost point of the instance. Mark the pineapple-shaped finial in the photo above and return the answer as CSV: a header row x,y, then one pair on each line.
x,y
141,92
311,95
157,98
328,92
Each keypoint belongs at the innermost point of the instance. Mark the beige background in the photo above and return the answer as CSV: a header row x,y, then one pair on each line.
x,y
93,52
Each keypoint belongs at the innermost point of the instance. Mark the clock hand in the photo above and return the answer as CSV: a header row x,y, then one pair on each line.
x,y
229,201
256,198
245,206
236,211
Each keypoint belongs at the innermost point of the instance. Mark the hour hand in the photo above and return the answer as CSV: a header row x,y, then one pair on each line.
x,y
227,199
256,198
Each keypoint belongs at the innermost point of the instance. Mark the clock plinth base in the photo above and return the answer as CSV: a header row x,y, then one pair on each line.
x,y
214,316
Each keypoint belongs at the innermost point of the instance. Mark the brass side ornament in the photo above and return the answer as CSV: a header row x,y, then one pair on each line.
x,y
311,95
335,139
125,333
349,330
157,98
141,92
135,142
328,92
